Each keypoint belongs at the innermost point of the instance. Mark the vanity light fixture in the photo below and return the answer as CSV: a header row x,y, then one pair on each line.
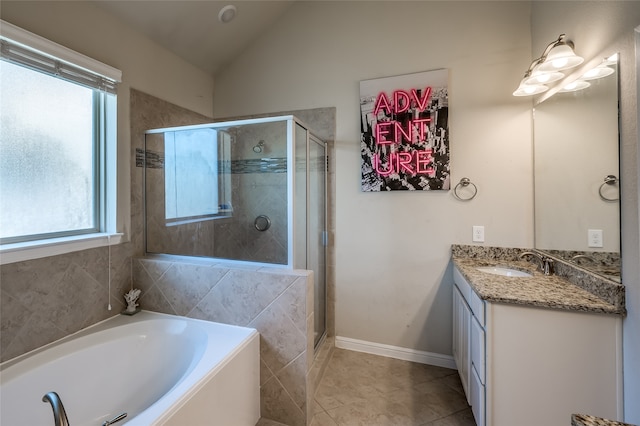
x,y
557,56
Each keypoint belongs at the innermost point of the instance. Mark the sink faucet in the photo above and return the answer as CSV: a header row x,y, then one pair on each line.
x,y
59,415
546,263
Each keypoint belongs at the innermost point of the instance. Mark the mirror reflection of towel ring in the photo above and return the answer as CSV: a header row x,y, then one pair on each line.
x,y
608,180
262,223
464,182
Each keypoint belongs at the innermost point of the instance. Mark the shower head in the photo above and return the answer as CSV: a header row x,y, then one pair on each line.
x,y
258,147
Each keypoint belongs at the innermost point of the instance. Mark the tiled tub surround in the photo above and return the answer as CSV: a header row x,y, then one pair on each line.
x,y
569,288
276,302
46,299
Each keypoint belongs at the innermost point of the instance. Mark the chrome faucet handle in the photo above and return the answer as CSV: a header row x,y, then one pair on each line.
x,y
548,265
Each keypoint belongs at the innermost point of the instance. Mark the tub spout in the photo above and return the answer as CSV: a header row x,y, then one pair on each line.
x,y
116,419
59,415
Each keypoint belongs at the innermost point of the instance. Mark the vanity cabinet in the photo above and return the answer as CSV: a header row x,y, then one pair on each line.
x,y
526,365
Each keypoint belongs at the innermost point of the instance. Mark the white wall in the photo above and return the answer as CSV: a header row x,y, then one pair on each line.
x,y
83,27
393,280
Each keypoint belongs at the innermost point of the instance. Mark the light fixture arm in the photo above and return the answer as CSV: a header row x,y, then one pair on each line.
x,y
560,41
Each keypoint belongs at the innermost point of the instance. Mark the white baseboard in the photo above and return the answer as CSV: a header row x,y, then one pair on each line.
x,y
397,352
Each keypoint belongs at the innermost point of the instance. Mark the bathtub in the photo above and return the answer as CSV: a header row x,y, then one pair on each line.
x,y
159,369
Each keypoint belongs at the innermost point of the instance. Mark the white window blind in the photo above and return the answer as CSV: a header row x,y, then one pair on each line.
x,y
32,51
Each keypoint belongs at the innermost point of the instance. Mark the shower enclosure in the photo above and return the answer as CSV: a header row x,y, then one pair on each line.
x,y
249,190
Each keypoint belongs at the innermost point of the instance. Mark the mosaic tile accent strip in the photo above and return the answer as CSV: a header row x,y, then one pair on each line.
x,y
261,165
155,160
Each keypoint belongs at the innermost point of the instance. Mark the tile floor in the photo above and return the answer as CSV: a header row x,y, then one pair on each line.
x,y
369,390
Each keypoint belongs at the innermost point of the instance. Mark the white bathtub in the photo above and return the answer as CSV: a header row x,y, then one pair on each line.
x,y
159,369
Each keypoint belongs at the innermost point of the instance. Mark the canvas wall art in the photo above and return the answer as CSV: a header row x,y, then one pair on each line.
x,y
404,142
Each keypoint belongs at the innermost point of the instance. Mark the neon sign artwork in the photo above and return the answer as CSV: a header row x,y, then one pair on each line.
x,y
404,132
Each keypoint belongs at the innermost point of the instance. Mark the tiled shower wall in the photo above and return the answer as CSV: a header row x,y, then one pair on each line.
x,y
259,187
276,302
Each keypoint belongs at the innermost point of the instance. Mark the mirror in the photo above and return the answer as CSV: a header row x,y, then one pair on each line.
x,y
576,171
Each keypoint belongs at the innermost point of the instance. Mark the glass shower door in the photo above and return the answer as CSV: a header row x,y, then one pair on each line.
x,y
317,237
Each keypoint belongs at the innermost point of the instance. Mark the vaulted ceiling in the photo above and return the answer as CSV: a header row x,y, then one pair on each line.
x,y
191,28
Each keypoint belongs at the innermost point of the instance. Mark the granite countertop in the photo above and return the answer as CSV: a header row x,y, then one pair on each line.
x,y
585,420
551,291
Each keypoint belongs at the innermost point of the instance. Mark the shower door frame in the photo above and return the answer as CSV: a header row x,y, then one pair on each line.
x,y
310,138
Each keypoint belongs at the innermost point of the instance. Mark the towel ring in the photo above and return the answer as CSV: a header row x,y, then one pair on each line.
x,y
464,182
608,180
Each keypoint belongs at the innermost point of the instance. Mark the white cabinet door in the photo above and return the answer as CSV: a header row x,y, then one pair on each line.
x,y
461,338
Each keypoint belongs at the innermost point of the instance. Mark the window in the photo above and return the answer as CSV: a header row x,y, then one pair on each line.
x,y
196,185
57,141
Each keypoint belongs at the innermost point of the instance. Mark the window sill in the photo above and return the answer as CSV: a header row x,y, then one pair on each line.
x,y
18,252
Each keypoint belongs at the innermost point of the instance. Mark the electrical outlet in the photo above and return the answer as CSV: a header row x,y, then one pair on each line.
x,y
478,234
594,238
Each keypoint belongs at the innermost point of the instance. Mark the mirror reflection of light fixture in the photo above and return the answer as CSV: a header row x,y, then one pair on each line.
x,y
575,86
594,73
597,72
557,56
611,60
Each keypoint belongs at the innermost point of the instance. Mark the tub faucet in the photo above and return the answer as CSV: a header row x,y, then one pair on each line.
x,y
59,415
546,263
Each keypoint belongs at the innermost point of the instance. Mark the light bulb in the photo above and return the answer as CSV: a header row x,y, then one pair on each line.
x,y
560,62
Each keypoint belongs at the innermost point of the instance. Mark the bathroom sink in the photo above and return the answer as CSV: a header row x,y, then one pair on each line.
x,y
504,271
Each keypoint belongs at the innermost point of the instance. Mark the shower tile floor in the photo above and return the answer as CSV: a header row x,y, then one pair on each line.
x,y
368,390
